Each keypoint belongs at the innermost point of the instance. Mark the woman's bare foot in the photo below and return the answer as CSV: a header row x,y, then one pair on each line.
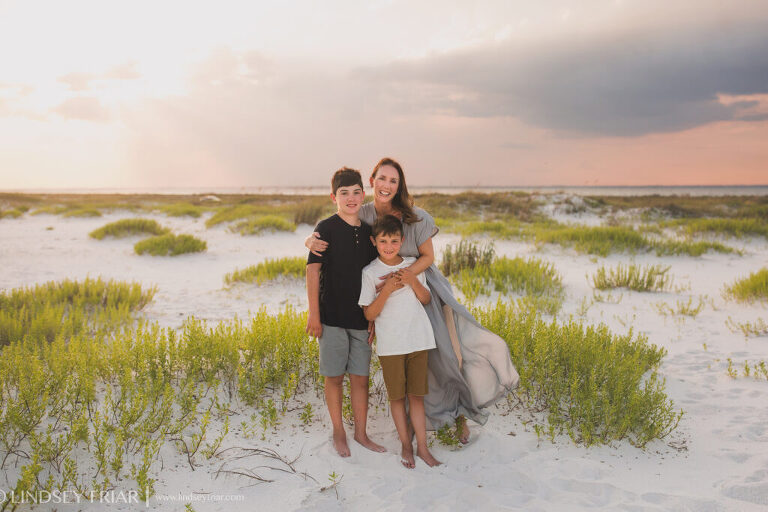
x,y
463,429
366,441
406,457
423,453
340,443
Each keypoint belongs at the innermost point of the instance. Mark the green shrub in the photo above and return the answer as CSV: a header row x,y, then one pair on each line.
x,y
539,281
466,255
475,271
595,240
294,267
170,245
310,212
82,212
751,288
65,308
640,279
687,247
258,225
231,213
596,386
182,210
156,387
13,213
738,228
128,227
495,228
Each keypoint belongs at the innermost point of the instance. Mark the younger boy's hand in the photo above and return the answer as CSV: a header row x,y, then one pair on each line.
x,y
406,276
392,283
382,280
314,327
371,332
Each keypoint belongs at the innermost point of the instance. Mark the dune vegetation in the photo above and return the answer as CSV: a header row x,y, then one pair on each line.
x,y
117,391
66,308
182,210
12,213
268,270
594,385
128,227
752,288
476,270
170,245
264,223
646,278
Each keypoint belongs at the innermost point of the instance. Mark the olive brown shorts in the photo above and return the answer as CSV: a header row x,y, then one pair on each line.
x,y
405,373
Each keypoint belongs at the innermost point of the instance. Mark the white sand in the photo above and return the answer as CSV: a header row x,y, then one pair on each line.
x,y
717,459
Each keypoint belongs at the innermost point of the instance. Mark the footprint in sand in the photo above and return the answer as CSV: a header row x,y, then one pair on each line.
x,y
752,492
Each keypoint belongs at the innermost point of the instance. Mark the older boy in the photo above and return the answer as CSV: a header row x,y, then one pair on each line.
x,y
403,333
333,288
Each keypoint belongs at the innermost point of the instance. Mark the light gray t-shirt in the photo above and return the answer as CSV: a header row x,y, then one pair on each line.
x,y
402,326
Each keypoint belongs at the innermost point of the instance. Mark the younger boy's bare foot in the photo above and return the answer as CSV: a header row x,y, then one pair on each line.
x,y
340,443
423,453
366,441
406,456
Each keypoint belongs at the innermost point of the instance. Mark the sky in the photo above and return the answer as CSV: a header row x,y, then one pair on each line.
x,y
245,93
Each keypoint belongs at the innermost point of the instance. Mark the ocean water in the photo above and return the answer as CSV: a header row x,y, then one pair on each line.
x,y
702,190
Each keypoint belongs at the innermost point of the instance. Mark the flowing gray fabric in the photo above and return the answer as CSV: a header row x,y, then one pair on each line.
x,y
486,373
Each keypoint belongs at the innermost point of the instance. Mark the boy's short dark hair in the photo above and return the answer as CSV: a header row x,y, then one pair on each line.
x,y
345,177
387,225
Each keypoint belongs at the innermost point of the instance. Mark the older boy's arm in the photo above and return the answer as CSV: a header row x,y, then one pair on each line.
x,y
314,327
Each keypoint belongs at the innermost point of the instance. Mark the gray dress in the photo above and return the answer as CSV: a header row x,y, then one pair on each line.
x,y
485,372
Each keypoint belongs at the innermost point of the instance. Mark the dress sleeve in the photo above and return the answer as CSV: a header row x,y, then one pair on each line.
x,y
367,290
425,228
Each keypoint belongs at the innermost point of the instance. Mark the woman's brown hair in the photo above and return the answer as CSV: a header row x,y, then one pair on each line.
x,y
402,202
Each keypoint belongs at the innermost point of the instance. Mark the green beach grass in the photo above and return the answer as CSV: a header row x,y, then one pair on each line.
x,y
66,308
270,269
265,223
13,213
82,212
91,395
128,227
749,289
595,386
648,278
182,210
170,245
475,270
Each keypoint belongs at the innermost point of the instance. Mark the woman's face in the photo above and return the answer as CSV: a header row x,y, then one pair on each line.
x,y
385,184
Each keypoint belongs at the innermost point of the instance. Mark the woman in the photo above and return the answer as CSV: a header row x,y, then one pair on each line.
x,y
471,367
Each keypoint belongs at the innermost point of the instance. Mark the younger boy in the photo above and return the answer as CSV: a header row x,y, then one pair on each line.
x,y
403,333
333,287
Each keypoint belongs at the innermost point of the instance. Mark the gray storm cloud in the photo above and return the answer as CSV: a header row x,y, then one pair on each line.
x,y
626,84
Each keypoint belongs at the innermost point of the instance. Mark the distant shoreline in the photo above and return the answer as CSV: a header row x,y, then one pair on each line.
x,y
662,190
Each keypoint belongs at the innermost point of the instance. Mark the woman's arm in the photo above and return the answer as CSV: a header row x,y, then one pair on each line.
x,y
315,244
425,259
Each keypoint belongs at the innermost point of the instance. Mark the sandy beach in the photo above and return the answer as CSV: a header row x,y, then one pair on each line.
x,y
716,460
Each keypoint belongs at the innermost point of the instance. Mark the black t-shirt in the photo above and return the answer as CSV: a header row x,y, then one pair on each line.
x,y
349,251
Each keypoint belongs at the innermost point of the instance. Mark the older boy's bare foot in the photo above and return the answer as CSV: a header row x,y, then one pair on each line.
x,y
340,443
463,429
406,456
366,441
427,457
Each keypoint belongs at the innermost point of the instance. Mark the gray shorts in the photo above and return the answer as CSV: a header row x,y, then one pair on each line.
x,y
344,351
